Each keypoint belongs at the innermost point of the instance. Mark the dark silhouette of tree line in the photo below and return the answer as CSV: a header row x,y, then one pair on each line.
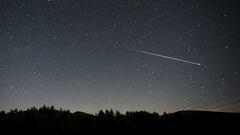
x,y
48,120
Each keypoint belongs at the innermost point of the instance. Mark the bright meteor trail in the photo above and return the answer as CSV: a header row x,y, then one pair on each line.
x,y
167,57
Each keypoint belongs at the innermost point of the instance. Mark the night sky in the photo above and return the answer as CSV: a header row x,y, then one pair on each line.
x,y
82,54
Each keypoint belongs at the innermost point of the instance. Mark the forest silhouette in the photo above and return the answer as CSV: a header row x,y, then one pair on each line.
x,y
48,120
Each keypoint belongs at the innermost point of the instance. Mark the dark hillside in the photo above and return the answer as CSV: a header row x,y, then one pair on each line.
x,y
49,120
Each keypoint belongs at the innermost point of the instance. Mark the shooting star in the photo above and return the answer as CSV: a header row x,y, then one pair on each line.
x,y
167,57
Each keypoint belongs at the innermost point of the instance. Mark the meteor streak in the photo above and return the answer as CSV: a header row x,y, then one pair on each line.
x,y
167,57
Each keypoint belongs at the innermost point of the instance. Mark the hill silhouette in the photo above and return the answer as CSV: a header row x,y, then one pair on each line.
x,y
48,120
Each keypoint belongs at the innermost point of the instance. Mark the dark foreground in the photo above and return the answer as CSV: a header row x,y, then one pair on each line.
x,y
47,120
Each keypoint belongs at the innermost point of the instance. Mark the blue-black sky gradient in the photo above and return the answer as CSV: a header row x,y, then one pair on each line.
x,y
78,54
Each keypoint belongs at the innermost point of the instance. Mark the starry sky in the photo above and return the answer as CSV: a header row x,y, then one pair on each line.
x,y
80,54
